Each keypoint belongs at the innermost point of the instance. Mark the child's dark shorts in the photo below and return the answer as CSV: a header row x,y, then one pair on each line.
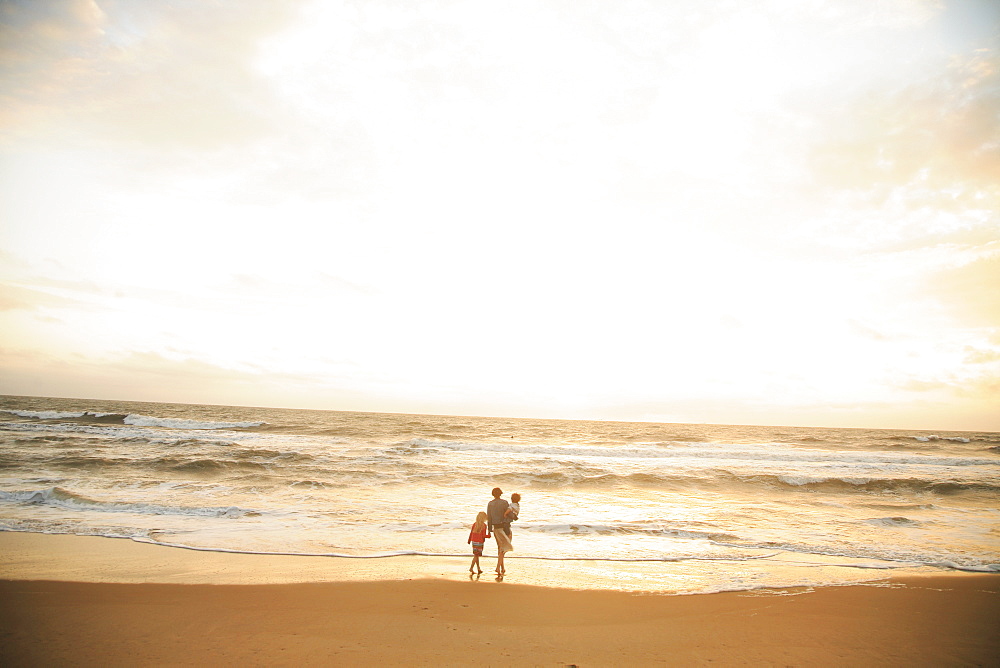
x,y
477,549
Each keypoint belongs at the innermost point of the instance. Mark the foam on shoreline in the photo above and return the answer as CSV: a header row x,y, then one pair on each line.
x,y
34,556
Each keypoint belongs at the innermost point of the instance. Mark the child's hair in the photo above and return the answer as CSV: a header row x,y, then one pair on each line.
x,y
480,519
515,497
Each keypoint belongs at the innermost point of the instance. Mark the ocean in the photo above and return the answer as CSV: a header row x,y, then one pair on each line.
x,y
699,507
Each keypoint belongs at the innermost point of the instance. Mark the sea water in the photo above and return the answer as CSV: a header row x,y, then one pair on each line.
x,y
701,506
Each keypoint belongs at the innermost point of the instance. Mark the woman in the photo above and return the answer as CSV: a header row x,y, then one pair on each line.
x,y
499,526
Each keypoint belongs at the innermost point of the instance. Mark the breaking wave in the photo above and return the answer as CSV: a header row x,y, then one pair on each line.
x,y
932,438
726,480
694,451
133,419
62,498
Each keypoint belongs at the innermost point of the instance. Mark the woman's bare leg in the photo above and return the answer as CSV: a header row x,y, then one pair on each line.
x,y
500,566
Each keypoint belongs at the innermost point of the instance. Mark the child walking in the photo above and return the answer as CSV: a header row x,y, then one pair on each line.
x,y
478,537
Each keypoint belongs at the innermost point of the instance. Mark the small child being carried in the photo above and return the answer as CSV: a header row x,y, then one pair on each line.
x,y
513,510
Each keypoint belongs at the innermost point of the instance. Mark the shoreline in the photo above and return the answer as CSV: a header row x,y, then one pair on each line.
x,y
64,601
68,557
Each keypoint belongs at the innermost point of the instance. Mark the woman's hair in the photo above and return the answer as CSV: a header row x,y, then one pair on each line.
x,y
515,497
480,518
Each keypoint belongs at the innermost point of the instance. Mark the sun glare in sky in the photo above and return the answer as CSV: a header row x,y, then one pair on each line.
x,y
761,212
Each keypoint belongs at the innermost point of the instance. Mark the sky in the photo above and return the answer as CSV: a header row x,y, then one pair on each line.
x,y
781,212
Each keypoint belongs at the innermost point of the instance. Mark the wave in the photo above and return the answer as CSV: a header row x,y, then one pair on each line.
x,y
46,415
888,562
594,477
714,536
204,466
418,553
177,423
77,416
722,480
900,506
893,522
932,438
873,485
62,498
133,419
693,451
919,439
632,530
192,465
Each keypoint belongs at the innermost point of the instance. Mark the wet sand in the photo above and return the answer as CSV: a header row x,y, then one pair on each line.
x,y
378,616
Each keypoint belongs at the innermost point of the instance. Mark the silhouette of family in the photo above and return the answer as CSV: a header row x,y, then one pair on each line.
x,y
496,522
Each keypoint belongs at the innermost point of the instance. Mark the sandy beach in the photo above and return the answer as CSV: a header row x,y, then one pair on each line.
x,y
368,612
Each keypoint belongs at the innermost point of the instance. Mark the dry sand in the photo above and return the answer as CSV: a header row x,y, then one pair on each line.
x,y
930,621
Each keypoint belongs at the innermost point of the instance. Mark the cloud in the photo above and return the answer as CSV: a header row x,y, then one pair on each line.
x,y
136,72
867,332
923,385
536,205
39,36
152,376
981,356
46,51
985,388
14,297
974,383
971,23
939,138
971,291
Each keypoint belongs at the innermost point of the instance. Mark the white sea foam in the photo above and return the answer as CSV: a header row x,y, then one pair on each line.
x,y
417,553
976,568
135,419
56,496
178,423
376,485
701,451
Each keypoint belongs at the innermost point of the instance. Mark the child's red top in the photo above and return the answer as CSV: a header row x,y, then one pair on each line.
x,y
478,536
